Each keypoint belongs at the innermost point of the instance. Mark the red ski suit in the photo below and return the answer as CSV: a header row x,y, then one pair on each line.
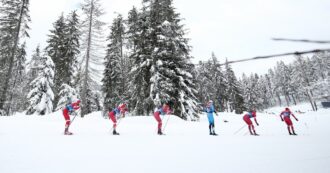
x,y
285,115
121,109
247,118
74,106
165,109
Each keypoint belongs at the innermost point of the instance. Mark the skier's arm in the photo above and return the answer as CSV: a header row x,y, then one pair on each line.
x,y
75,106
281,116
255,120
162,112
216,113
294,117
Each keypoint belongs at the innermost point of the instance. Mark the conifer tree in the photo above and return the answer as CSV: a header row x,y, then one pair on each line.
x,y
67,95
57,50
113,81
92,39
171,70
141,61
72,44
17,95
41,95
13,26
233,91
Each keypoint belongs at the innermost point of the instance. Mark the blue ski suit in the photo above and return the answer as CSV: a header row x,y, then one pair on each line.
x,y
209,110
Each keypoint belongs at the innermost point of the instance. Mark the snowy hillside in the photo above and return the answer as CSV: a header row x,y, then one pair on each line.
x,y
35,144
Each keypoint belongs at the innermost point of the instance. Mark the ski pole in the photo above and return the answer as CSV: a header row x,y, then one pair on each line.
x,y
166,123
239,129
117,124
74,117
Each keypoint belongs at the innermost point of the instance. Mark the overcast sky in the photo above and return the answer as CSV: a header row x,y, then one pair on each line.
x,y
233,29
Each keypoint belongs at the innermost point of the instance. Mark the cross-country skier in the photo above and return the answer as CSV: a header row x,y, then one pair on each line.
x,y
285,116
247,118
115,114
209,109
69,109
161,110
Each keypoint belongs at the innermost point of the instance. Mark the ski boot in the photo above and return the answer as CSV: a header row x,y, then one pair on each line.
x,y
214,134
160,132
66,132
255,134
115,132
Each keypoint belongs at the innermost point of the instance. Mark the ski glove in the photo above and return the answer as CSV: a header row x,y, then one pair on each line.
x,y
297,119
257,124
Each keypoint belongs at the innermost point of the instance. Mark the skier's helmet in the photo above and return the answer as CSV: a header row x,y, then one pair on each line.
x,y
287,109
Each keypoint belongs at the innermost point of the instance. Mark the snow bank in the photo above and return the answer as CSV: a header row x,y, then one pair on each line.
x,y
33,144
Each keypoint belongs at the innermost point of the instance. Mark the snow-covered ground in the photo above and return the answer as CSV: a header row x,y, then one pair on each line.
x,y
35,144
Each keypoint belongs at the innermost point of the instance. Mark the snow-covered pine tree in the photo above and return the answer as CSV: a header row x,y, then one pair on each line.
x,y
92,38
67,94
321,65
171,70
203,81
72,44
34,65
212,83
57,51
18,96
63,48
132,29
282,73
41,95
274,87
141,61
33,68
302,75
263,92
270,88
233,91
113,81
251,92
218,85
97,101
13,26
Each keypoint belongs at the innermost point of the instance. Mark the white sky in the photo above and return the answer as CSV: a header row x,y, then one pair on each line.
x,y
235,29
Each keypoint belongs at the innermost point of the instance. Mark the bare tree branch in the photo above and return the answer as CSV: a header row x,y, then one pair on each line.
x,y
278,55
301,40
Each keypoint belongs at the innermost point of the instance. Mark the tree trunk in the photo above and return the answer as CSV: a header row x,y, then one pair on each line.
x,y
287,100
11,61
294,99
84,110
279,99
310,99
